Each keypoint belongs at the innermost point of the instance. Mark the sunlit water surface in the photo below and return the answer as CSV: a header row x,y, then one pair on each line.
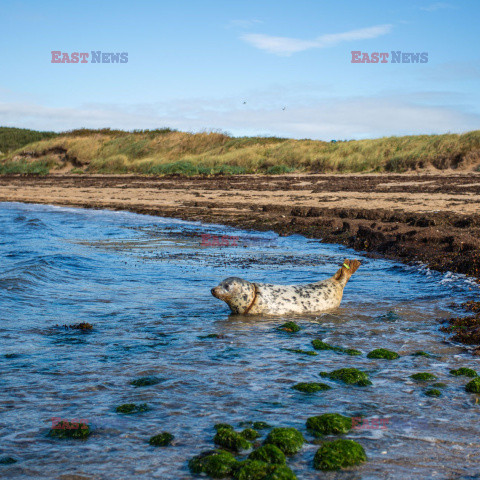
x,y
144,284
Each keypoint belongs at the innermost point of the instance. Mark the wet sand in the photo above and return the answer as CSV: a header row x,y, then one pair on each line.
x,y
432,218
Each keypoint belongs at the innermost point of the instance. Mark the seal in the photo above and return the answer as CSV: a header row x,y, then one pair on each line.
x,y
246,298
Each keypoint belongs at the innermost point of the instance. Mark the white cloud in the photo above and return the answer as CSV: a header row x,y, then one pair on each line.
x,y
286,46
436,6
360,117
244,23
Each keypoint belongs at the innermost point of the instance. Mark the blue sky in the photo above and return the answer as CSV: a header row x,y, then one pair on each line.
x,y
192,65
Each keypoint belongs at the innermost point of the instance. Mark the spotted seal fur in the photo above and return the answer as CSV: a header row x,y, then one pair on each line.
x,y
245,297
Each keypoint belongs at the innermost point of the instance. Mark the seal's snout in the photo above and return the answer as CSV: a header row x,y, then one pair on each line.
x,y
217,292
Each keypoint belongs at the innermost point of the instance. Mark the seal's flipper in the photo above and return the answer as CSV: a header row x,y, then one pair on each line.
x,y
348,268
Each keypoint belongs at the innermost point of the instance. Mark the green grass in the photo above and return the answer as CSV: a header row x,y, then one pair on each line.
x,y
13,138
166,151
38,167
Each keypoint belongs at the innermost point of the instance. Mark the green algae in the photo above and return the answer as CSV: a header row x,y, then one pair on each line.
x,y
163,439
214,463
258,470
231,440
350,376
66,429
319,345
7,460
329,424
473,386
288,440
303,352
281,472
77,326
210,335
423,376
311,387
339,454
290,327
130,408
220,426
383,353
249,434
268,454
145,381
421,353
351,351
439,385
465,372
261,425
433,392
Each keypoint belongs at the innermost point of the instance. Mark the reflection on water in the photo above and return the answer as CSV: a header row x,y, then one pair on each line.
x,y
144,284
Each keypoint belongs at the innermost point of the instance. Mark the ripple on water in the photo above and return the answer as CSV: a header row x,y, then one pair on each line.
x,y
144,284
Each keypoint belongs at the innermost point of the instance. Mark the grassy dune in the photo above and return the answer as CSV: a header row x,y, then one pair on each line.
x,y
165,151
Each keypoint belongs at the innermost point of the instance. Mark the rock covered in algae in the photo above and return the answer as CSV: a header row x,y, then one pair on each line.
x,y
130,408
465,372
145,381
66,429
210,335
350,376
214,463
421,353
78,326
288,440
219,426
290,327
329,424
319,345
261,425
339,454
161,440
268,454
303,352
473,386
231,440
258,470
383,353
423,376
433,392
351,351
249,433
439,385
311,387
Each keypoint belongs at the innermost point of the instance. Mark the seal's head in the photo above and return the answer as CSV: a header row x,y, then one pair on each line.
x,y
237,293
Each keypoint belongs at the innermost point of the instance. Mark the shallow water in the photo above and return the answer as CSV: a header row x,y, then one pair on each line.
x,y
144,284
